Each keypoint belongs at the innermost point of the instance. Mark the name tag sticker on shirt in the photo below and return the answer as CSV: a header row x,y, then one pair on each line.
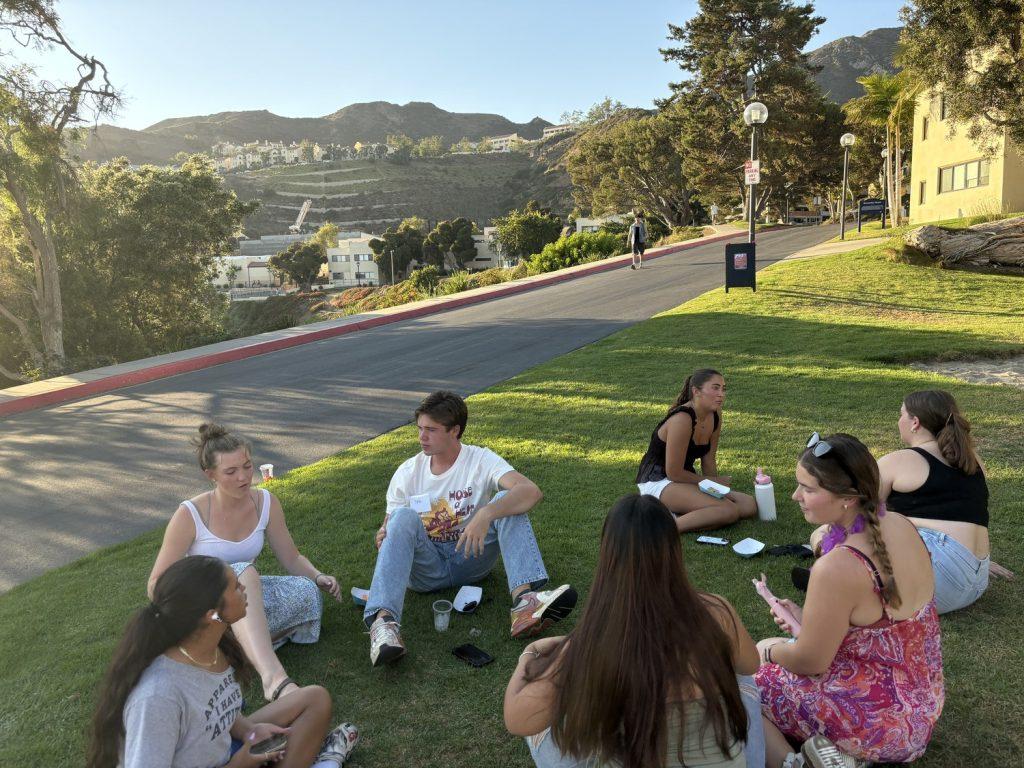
x,y
420,503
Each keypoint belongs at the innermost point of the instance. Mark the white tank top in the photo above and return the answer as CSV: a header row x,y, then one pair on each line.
x,y
244,551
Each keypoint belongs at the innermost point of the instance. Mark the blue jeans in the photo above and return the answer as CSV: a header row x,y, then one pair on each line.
x,y
960,577
409,559
546,754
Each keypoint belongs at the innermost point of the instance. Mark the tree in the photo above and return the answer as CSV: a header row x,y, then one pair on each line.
x,y
327,235
526,232
974,53
398,247
450,244
414,222
729,47
463,145
887,107
402,146
300,262
430,146
306,151
633,163
137,253
37,118
484,146
597,113
425,279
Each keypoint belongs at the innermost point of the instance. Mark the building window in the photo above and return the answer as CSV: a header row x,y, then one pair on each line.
x,y
920,193
924,129
337,275
964,176
942,107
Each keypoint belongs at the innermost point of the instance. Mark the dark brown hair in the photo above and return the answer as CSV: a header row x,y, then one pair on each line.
x,y
214,439
181,598
939,414
695,380
645,635
849,469
445,408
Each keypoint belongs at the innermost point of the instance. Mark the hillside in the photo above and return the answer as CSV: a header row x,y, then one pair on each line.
x,y
374,194
844,60
369,122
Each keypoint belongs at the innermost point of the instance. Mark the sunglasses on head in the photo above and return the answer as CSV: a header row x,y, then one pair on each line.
x,y
819,448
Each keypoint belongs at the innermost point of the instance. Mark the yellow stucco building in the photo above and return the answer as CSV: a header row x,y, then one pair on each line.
x,y
951,176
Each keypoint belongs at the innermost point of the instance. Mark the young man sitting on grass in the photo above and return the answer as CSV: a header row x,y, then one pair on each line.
x,y
451,509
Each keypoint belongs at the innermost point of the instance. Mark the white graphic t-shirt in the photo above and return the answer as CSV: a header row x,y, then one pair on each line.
x,y
446,502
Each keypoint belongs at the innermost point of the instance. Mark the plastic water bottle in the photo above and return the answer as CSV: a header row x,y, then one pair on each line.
x,y
764,495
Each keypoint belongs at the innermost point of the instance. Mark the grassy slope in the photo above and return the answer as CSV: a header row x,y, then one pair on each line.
x,y
873,228
817,347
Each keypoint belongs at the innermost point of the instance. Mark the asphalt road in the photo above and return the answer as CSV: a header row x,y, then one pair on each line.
x,y
83,475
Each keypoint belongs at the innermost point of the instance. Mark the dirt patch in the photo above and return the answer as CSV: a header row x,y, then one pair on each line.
x,y
1008,371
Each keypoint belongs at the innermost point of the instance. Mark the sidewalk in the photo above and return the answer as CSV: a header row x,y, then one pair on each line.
x,y
75,386
843,246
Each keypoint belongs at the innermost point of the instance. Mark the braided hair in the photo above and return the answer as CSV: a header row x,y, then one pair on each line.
x,y
849,469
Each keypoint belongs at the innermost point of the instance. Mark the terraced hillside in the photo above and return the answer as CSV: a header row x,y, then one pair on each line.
x,y
374,194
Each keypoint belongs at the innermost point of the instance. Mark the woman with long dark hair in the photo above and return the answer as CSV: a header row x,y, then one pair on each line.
x,y
687,434
938,483
232,522
863,679
649,675
171,697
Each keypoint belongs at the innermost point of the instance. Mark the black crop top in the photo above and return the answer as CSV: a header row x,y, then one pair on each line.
x,y
946,494
652,465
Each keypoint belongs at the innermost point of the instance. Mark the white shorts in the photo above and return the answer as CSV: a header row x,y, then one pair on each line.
x,y
654,487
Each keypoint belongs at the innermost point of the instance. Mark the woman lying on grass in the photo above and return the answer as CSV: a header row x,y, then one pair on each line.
x,y
648,676
688,433
230,523
171,697
863,681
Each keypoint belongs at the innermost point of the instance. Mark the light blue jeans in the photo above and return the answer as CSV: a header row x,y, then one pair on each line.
x,y
546,754
408,559
960,577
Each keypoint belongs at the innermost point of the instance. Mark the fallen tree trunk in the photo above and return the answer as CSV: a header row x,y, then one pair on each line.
x,y
993,244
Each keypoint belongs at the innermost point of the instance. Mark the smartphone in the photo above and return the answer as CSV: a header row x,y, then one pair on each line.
x,y
472,655
712,540
274,744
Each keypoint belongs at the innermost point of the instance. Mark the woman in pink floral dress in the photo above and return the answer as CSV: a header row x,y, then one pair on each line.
x,y
863,680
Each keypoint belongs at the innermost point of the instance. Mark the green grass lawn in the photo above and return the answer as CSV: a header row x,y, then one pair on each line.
x,y
820,346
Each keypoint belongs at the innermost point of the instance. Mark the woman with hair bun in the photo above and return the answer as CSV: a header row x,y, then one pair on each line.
x,y
863,678
231,522
687,434
171,697
938,483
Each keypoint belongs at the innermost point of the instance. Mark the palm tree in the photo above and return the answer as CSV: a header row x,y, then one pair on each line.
x,y
887,104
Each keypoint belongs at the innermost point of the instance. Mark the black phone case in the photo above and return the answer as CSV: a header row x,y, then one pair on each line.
x,y
472,655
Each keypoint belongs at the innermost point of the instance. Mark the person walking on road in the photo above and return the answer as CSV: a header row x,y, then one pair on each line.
x,y
637,240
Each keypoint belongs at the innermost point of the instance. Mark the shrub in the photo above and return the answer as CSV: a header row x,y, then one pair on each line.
x,y
454,283
680,234
575,249
351,296
520,270
391,296
246,318
491,277
425,279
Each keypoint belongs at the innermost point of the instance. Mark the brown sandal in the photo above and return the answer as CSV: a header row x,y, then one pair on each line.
x,y
284,684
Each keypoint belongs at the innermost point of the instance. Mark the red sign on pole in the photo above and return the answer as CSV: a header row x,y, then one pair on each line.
x,y
752,170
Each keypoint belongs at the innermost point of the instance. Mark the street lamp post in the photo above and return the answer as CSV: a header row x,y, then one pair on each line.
x,y
392,252
885,183
754,115
846,141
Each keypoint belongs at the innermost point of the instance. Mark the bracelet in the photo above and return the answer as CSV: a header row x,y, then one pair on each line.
x,y
531,653
768,655
316,579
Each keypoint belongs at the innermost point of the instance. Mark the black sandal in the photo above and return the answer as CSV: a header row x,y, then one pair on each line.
x,y
284,684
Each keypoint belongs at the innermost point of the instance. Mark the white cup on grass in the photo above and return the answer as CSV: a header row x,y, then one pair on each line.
x,y
442,615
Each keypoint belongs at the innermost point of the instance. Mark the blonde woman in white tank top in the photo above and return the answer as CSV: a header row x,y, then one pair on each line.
x,y
231,522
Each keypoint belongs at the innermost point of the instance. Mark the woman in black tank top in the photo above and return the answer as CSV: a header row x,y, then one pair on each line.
x,y
689,433
939,484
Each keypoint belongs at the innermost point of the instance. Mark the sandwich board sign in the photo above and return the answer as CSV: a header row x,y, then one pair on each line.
x,y
740,266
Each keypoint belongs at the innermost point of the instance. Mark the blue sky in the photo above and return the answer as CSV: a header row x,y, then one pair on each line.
x,y
518,58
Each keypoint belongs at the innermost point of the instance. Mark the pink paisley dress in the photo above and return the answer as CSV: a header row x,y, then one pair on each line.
x,y
881,697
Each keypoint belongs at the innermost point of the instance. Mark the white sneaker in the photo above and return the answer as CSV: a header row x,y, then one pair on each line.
x,y
819,752
339,744
385,641
793,761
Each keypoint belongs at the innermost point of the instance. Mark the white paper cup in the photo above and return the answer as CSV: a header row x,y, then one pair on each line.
x,y
442,615
267,471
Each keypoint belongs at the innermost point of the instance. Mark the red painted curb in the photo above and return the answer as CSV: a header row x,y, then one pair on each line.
x,y
121,380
